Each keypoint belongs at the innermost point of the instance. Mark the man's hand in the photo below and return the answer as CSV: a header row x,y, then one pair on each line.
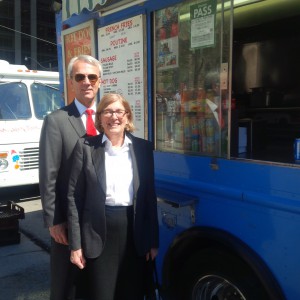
x,y
59,233
152,254
77,258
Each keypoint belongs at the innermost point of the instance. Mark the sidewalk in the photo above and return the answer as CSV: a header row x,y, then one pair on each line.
x,y
24,272
24,267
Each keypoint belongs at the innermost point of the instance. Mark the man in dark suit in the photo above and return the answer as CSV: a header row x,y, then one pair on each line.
x,y
60,132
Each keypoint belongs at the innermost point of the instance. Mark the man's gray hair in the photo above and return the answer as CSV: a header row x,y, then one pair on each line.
x,y
85,58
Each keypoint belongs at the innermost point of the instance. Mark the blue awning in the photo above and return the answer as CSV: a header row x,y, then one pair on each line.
x,y
70,7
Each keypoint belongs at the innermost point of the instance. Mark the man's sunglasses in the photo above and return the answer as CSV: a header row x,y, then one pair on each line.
x,y
91,77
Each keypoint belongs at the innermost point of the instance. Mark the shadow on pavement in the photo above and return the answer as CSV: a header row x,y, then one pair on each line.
x,y
25,270
33,227
19,193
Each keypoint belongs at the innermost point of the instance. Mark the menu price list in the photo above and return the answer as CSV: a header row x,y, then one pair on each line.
x,y
122,64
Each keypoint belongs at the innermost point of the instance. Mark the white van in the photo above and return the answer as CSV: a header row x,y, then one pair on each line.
x,y
26,96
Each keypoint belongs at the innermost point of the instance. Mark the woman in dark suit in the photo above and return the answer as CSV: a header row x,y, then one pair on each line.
x,y
112,213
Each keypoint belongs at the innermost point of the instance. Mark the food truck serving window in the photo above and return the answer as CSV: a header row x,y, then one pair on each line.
x,y
191,110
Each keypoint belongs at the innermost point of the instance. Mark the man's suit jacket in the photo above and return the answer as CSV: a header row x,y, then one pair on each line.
x,y
87,193
60,132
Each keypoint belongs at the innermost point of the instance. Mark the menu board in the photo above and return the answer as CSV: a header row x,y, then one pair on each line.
x,y
121,52
76,41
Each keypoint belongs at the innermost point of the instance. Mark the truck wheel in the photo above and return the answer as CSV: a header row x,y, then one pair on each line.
x,y
215,275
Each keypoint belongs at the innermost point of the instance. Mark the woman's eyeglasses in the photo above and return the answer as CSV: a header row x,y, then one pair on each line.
x,y
119,113
91,77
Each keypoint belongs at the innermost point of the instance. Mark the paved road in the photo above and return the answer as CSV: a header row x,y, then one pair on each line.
x,y
24,271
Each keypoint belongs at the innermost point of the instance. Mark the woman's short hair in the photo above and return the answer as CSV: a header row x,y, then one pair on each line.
x,y
85,58
106,100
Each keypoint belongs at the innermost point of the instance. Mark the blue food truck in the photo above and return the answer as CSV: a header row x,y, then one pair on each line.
x,y
215,84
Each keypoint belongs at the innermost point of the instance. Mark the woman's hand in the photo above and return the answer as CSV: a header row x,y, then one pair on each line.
x,y
77,258
59,233
152,254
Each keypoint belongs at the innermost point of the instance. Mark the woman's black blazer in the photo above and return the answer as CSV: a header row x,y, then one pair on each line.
x,y
87,193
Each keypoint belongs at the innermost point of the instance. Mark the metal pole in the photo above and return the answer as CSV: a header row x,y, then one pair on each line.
x,y
18,19
33,32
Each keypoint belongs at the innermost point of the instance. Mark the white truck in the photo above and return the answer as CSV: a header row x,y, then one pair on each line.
x,y
26,96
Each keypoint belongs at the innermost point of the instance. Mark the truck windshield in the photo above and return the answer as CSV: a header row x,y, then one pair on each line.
x,y
14,101
46,98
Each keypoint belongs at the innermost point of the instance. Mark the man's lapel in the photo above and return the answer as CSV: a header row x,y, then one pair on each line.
x,y
75,120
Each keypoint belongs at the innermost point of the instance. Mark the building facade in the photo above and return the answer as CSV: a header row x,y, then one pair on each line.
x,y
27,33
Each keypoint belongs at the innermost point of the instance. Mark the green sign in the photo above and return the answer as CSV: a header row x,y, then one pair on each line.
x,y
203,16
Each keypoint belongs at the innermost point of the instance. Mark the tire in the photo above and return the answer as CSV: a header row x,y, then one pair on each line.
x,y
214,275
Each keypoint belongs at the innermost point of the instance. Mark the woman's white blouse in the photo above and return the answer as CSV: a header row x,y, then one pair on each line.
x,y
119,174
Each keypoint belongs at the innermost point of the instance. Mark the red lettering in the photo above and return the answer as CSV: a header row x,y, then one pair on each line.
x,y
113,80
126,24
108,59
119,42
112,28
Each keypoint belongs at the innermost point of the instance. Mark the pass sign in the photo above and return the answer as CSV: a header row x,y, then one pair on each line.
x,y
203,24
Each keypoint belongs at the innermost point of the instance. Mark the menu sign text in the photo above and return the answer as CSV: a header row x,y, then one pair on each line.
x,y
121,53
